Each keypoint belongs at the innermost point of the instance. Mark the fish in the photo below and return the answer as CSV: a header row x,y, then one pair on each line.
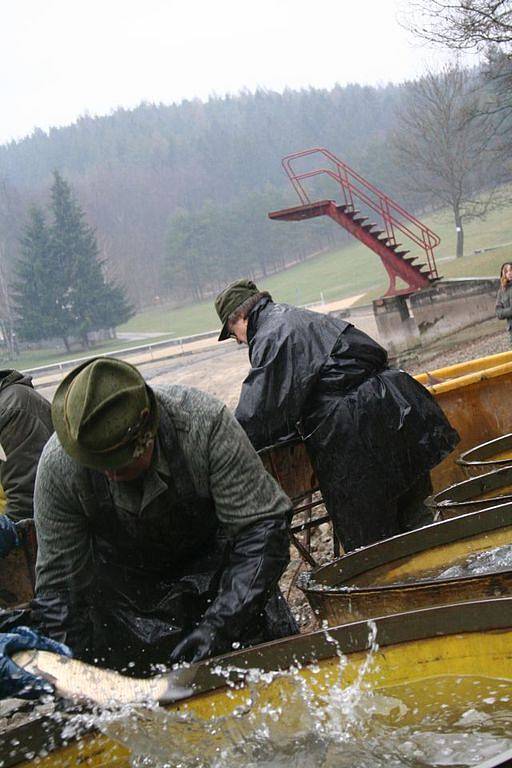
x,y
81,682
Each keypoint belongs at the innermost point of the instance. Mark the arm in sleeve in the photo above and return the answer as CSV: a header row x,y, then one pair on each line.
x,y
503,312
284,371
64,571
241,488
254,510
23,437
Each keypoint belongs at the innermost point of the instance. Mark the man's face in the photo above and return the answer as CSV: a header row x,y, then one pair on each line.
x,y
134,469
238,330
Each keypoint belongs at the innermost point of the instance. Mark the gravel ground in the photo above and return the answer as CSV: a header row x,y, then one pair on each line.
x,y
489,338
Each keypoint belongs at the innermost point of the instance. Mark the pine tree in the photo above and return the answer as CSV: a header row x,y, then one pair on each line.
x,y
91,301
37,288
61,290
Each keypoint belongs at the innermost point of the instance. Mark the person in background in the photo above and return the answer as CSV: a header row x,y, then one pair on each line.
x,y
504,297
372,432
25,427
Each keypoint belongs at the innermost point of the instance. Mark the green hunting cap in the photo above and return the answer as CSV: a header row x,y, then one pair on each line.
x,y
231,298
104,413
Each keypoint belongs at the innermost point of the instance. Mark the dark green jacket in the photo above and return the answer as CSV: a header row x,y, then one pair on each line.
x,y
25,426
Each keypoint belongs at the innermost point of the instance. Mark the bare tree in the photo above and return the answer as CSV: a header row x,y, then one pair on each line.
x,y
462,24
443,145
482,25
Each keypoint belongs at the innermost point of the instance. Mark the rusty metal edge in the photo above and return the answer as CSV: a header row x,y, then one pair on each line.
x,y
486,450
503,577
397,547
456,494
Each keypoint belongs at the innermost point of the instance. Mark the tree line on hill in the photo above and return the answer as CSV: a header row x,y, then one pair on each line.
x,y
179,195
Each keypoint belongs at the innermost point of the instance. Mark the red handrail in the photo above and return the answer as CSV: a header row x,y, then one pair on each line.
x,y
354,185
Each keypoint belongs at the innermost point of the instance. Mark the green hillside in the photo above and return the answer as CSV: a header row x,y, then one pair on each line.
x,y
350,271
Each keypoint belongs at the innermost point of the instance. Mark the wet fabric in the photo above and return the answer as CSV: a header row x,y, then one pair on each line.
x,y
9,538
14,681
371,431
162,562
25,426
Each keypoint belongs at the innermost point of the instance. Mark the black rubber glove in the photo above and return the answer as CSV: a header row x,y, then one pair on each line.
x,y
258,556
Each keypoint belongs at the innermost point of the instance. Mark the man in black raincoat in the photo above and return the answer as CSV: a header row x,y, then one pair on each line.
x,y
372,432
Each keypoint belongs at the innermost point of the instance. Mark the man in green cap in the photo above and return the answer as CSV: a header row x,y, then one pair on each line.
x,y
161,536
372,432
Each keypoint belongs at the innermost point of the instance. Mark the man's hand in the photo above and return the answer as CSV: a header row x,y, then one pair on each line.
x,y
14,681
200,644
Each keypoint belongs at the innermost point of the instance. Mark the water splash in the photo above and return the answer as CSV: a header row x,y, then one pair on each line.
x,y
325,715
497,559
448,721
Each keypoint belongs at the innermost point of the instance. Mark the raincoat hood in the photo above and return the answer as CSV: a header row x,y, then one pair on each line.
x,y
10,376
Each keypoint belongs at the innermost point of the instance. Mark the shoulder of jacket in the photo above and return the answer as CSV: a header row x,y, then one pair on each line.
x,y
187,406
56,461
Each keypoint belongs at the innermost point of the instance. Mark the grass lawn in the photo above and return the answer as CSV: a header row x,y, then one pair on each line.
x,y
351,270
337,274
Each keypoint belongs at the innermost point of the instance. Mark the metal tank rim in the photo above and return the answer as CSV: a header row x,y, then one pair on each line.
x,y
298,650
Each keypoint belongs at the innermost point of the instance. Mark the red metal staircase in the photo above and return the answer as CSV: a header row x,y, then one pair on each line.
x,y
381,235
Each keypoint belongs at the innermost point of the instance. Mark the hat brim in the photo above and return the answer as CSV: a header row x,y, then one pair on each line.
x,y
224,334
116,459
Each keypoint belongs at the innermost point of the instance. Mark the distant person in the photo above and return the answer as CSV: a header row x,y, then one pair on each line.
x,y
504,297
373,433
25,427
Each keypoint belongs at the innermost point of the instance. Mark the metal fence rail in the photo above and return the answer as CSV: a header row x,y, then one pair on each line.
x,y
66,364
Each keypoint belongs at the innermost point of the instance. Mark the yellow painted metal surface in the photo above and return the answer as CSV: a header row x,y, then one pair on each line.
x,y
421,564
483,654
475,397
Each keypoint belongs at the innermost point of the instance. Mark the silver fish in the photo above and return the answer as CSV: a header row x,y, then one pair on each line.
x,y
78,681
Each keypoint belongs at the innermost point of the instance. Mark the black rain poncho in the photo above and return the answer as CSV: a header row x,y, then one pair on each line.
x,y
372,432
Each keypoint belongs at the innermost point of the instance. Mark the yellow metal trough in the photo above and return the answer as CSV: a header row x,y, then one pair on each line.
x,y
425,659
475,397
493,454
403,573
475,493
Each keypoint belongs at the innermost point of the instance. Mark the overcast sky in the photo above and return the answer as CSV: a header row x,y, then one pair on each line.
x,y
63,58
